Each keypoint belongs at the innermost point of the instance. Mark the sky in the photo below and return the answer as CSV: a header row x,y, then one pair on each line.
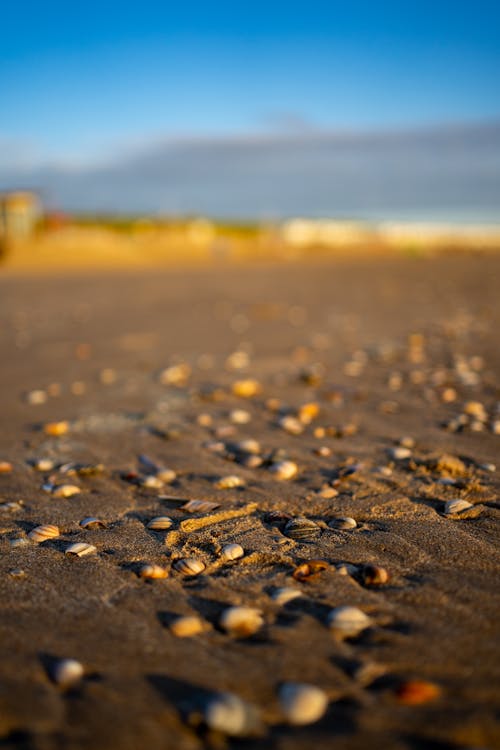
x,y
90,92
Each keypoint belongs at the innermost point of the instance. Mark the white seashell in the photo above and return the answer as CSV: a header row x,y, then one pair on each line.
x,y
291,425
80,549
166,475
189,566
241,621
175,374
456,506
152,482
232,551
42,533
229,715
92,523
36,397
248,445
301,528
160,523
43,464
67,672
348,622
65,490
230,482
199,506
344,523
286,594
302,703
284,469
240,416
19,541
153,571
399,453
186,627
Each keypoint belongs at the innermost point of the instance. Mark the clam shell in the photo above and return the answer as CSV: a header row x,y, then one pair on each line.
x,y
160,523
286,594
284,469
42,533
43,464
453,507
187,626
247,388
291,425
80,549
153,571
301,528
399,453
348,622
65,490
240,416
230,482
56,429
374,575
152,482
344,523
67,672
92,523
228,714
199,506
189,566
302,703
248,445
18,541
232,551
241,621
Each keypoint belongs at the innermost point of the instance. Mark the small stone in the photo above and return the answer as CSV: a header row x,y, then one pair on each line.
x,y
36,397
302,703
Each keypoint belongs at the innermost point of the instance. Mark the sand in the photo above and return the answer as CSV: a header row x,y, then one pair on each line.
x,y
388,348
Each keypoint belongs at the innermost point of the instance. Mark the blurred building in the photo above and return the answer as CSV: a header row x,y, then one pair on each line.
x,y
19,213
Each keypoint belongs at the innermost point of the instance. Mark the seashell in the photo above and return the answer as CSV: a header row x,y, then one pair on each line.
x,y
166,475
286,594
229,715
291,425
215,446
456,506
241,621
248,445
200,506
308,412
301,528
399,453
230,482
80,549
284,469
175,375
240,416
65,490
417,692
251,461
153,571
83,470
17,573
309,570
346,569
247,388
187,626
476,409
56,429
189,566
237,360
348,622
67,672
374,575
407,441
36,397
92,523
204,420
232,551
5,467
43,464
343,523
495,426
160,523
151,482
12,505
302,703
323,451
42,533
107,376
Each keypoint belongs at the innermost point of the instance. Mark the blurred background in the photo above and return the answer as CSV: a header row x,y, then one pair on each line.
x,y
144,133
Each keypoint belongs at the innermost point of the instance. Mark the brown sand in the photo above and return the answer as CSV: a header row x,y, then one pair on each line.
x,y
436,618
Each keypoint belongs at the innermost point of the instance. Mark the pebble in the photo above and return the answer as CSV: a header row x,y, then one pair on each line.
x,y
291,425
56,429
240,416
302,703
5,467
241,621
348,622
399,453
230,482
247,388
36,397
65,490
417,692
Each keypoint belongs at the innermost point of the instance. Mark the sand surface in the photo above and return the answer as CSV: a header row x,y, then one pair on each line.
x,y
387,349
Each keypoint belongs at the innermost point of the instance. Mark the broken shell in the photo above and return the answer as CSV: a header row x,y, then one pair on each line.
x,y
56,429
241,621
189,566
229,715
199,506
42,533
347,622
309,570
374,575
301,528
232,551
92,523
67,672
80,549
185,627
153,571
344,523
18,541
284,469
302,703
246,388
230,482
160,523
453,507
286,594
65,490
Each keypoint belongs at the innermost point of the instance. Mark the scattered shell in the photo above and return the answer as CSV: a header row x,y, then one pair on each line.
x,y
56,429
92,523
232,551
153,571
374,575
18,541
230,482
5,467
284,469
151,482
309,570
291,425
308,412
199,506
302,703
301,528
240,416
65,490
43,464
241,621
12,505
36,397
286,594
42,533
175,375
399,453
166,475
343,523
476,409
417,692
17,573
246,388
160,523
248,445
346,569
347,622
251,461
189,566
80,549
187,626
67,672
458,505
229,715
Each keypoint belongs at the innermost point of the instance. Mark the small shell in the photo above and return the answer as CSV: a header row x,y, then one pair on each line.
x,y
42,533
246,388
18,541
302,703
232,551
309,570
453,507
346,569
67,672
5,467
374,575
291,425
230,482
248,445
417,692
43,464
301,528
284,469
240,416
286,594
151,482
56,429
92,523
347,622
241,621
160,523
153,571
186,627
199,506
65,490
250,461
80,549
308,412
229,715
175,374
399,453
343,523
189,566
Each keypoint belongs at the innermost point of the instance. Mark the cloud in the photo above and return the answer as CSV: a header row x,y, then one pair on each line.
x,y
429,171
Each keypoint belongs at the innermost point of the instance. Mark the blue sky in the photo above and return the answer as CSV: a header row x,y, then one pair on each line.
x,y
84,84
